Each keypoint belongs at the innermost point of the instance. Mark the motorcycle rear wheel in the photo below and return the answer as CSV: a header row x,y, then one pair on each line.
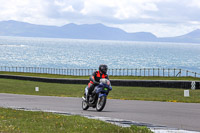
x,y
101,103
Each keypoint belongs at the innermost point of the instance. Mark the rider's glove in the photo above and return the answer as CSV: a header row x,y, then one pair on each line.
x,y
96,83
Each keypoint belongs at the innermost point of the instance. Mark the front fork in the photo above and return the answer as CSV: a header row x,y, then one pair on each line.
x,y
102,94
86,90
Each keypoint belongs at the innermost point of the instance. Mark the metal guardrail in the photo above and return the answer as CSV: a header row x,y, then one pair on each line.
x,y
161,72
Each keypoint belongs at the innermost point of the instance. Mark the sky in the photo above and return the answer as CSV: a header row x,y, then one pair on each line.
x,y
163,18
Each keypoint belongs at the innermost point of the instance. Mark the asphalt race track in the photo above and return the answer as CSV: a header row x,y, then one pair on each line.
x,y
164,114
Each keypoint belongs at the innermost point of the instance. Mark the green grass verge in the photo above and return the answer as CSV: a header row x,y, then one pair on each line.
x,y
111,77
17,121
44,75
74,90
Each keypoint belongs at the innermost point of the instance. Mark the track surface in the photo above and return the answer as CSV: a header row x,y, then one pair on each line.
x,y
174,115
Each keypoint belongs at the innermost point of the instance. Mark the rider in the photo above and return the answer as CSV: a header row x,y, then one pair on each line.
x,y
95,78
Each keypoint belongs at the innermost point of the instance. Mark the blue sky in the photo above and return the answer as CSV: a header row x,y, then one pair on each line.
x,y
163,18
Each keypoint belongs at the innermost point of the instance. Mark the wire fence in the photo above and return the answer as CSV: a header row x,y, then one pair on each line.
x,y
161,72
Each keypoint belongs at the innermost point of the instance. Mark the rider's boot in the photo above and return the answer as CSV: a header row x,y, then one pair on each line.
x,y
89,93
87,97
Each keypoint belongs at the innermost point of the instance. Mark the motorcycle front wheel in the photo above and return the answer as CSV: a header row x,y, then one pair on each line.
x,y
84,105
101,103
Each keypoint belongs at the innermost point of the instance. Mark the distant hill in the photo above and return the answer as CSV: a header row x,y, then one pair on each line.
x,y
86,31
192,37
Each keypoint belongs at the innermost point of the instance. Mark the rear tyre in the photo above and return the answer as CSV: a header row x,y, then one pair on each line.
x,y
84,105
101,103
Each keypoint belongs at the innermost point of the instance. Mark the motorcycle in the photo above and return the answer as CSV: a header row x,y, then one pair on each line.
x,y
98,97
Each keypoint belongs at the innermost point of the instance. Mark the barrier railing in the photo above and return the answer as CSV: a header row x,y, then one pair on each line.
x,y
161,72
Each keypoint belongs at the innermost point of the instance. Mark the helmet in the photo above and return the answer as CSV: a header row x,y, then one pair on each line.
x,y
103,68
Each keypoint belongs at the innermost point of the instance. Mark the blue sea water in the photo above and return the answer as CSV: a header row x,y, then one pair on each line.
x,y
72,53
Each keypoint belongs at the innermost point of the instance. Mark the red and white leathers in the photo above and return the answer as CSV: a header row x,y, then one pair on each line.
x,y
95,79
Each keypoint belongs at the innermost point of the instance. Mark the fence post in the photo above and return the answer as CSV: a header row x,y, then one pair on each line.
x,y
153,72
174,72
88,72
168,72
140,72
136,72
163,72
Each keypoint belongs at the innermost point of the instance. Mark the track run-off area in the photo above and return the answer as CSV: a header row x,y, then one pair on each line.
x,y
158,116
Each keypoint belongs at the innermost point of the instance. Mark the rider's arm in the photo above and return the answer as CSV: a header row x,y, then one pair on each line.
x,y
92,78
107,77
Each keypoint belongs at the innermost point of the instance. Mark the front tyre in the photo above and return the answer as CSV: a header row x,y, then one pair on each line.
x,y
101,103
84,105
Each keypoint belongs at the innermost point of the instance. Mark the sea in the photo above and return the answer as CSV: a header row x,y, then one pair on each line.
x,y
89,54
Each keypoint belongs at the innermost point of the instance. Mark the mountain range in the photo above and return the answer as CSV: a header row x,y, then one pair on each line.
x,y
88,31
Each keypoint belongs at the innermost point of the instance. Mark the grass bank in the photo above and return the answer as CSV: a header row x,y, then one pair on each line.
x,y
75,90
18,121
111,77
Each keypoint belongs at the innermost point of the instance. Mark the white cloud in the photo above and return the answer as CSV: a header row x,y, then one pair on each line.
x,y
95,7
68,9
163,18
125,9
194,3
194,22
21,9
